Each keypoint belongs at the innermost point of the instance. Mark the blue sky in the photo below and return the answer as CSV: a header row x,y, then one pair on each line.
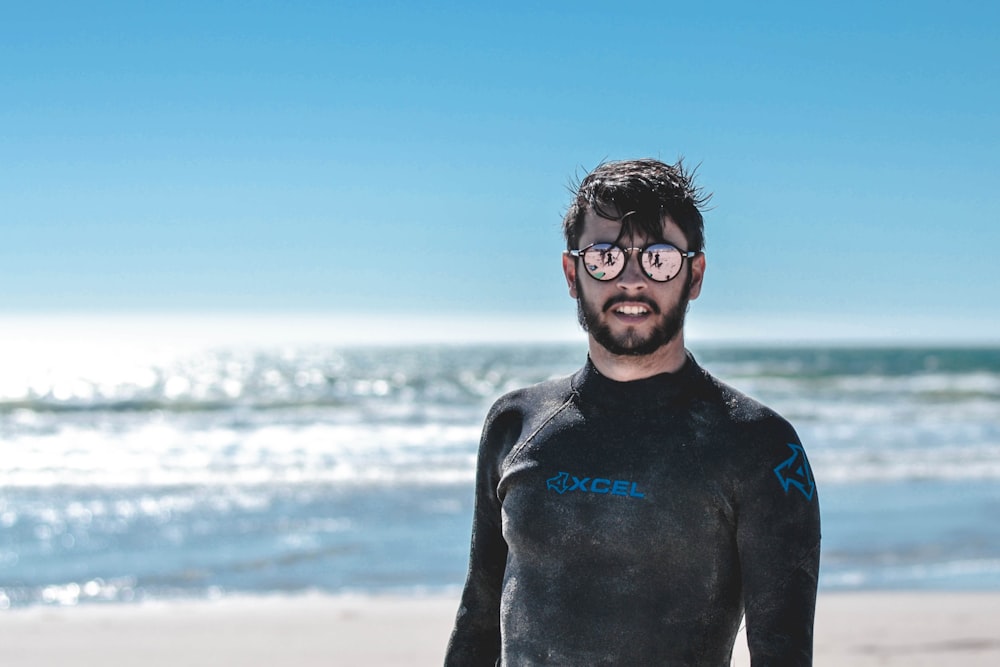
x,y
363,159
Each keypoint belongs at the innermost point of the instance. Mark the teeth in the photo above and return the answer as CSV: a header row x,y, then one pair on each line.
x,y
632,310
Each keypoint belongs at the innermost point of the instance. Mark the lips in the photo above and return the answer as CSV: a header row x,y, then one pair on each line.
x,y
631,307
632,310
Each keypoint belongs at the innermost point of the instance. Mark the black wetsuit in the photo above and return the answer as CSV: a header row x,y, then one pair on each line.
x,y
631,523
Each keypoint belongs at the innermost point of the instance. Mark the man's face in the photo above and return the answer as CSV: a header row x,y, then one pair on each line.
x,y
632,315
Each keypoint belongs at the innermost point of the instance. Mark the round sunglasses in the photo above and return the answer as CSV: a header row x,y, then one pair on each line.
x,y
660,261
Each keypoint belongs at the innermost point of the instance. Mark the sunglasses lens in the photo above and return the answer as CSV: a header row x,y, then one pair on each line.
x,y
604,261
662,262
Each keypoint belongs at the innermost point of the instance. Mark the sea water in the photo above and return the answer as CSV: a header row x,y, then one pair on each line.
x,y
287,469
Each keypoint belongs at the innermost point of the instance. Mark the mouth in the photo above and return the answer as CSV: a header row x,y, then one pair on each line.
x,y
631,312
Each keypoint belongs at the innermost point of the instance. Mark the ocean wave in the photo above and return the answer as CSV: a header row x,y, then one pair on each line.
x,y
978,574
951,463
166,454
227,379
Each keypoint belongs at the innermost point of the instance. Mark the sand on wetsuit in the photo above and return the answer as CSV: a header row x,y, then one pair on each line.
x,y
634,523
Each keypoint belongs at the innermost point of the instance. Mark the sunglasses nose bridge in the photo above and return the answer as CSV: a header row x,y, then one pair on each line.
x,y
635,266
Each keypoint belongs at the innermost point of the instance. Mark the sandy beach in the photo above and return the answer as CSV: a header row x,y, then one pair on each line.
x,y
857,629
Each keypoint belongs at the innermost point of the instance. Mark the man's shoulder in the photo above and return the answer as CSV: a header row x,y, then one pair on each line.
x,y
739,408
523,410
758,443
537,398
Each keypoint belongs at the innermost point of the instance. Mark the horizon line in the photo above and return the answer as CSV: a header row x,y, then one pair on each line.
x,y
302,327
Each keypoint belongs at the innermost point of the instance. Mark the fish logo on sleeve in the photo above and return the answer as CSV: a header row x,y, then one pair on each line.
x,y
794,472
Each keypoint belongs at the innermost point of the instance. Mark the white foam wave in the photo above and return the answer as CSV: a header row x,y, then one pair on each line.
x,y
951,462
161,454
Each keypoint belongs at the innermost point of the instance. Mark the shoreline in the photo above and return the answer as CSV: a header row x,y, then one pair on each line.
x,y
860,629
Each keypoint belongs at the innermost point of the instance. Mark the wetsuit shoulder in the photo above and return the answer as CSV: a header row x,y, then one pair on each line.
x,y
523,411
751,424
537,398
740,408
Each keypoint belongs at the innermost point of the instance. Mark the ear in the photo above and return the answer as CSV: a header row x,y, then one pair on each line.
x,y
697,275
569,270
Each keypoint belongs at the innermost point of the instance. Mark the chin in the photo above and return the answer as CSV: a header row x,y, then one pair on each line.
x,y
631,343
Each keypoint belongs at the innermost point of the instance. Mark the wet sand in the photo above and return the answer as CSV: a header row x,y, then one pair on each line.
x,y
856,629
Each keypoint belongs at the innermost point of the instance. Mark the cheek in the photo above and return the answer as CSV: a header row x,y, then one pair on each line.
x,y
594,293
579,291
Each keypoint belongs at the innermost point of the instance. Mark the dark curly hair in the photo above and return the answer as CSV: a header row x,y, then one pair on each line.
x,y
643,190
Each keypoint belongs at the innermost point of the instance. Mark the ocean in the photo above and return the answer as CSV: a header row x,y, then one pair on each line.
x,y
248,470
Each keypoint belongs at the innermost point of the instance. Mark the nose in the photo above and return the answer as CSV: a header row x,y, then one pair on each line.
x,y
632,276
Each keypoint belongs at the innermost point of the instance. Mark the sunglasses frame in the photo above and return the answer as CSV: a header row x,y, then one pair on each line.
x,y
685,254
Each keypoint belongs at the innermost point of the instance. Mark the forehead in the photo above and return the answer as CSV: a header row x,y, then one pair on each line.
x,y
597,229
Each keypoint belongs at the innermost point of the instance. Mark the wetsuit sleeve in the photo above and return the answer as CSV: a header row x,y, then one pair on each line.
x,y
475,639
778,536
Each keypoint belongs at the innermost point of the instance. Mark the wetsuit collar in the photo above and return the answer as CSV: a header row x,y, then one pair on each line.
x,y
648,393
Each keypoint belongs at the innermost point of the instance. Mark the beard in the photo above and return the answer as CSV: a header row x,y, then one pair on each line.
x,y
630,343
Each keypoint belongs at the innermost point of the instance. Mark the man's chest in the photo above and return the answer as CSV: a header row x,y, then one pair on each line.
x,y
615,489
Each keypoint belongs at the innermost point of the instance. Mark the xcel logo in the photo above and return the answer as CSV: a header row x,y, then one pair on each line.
x,y
564,482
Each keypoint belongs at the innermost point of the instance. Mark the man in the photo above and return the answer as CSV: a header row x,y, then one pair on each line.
x,y
631,513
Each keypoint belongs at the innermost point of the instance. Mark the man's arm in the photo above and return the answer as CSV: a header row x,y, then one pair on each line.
x,y
778,536
475,639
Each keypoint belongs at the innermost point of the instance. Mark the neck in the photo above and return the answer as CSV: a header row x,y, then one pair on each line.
x,y
624,368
